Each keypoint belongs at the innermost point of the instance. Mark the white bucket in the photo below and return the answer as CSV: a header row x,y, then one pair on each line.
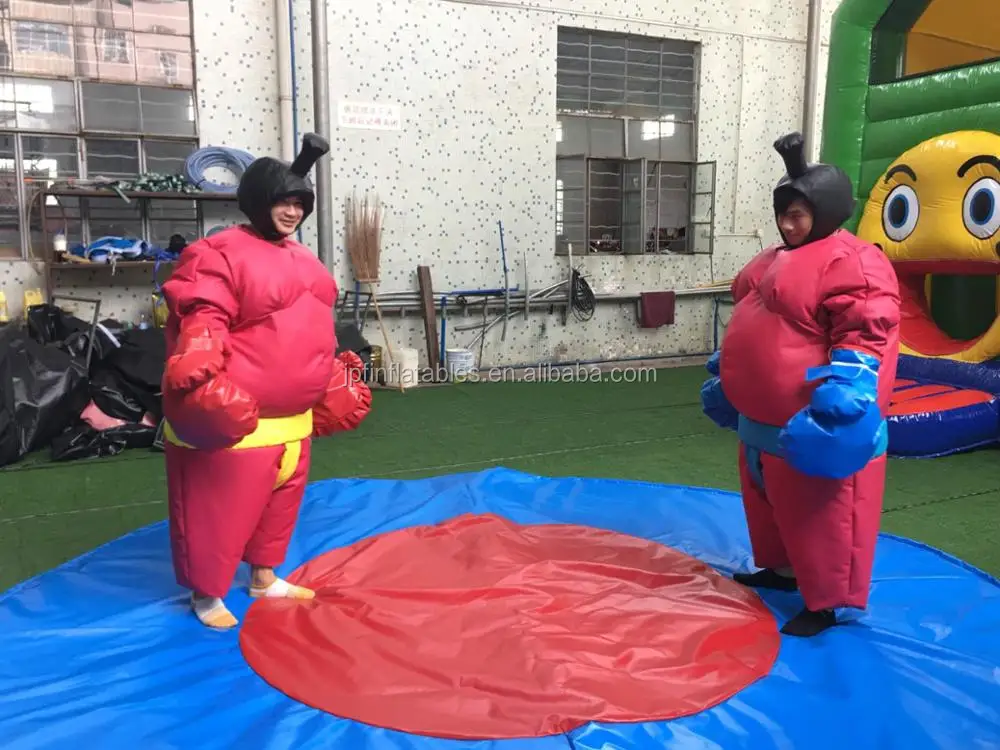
x,y
460,362
404,369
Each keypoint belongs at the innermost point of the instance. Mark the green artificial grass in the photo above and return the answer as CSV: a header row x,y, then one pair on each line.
x,y
651,431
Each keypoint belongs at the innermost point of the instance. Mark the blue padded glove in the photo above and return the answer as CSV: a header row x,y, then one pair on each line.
x,y
716,406
842,429
713,363
713,400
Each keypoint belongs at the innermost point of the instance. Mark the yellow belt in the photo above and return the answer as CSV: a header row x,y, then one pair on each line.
x,y
270,433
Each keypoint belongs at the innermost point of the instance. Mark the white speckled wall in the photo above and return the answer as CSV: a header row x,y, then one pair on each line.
x,y
475,80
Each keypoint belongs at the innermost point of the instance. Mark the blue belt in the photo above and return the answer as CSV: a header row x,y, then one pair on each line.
x,y
759,436
763,438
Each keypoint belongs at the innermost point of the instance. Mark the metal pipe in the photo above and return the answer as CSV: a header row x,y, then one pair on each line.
x,y
286,108
506,284
739,149
444,329
412,299
506,315
294,91
641,358
510,312
527,290
480,292
811,92
321,105
295,84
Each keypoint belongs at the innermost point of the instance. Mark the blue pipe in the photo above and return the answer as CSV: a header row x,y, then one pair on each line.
x,y
715,325
444,325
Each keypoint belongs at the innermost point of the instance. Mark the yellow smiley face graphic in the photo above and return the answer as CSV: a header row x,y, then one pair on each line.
x,y
935,212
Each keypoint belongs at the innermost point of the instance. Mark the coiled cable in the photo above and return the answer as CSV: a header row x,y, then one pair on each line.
x,y
234,159
582,298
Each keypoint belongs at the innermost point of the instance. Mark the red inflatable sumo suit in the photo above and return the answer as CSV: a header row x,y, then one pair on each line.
x,y
251,377
822,306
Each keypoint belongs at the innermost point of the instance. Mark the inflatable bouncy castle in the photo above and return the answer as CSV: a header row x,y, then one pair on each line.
x,y
912,115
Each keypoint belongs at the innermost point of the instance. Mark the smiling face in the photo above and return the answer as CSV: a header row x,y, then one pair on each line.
x,y
287,214
936,212
795,223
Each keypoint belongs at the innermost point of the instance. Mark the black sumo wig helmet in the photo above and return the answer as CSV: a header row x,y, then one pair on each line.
x,y
268,180
826,188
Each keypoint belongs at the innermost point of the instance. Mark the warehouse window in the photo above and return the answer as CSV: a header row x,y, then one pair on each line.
x,y
121,132
94,91
627,177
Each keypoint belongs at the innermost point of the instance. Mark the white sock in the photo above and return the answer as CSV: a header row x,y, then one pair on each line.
x,y
282,589
212,612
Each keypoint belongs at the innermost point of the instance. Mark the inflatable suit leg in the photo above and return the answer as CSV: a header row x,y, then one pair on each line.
x,y
270,539
829,528
765,539
224,508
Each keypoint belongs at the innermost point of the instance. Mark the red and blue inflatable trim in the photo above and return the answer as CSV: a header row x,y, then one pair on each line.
x,y
940,407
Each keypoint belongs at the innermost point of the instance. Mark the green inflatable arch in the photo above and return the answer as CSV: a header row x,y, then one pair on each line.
x,y
903,71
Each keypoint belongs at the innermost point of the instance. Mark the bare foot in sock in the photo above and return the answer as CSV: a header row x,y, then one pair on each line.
x,y
212,612
768,578
807,623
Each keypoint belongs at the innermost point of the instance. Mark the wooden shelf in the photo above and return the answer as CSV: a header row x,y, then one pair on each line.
x,y
108,193
53,264
59,265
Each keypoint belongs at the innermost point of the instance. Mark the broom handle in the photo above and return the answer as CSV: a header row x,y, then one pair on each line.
x,y
385,333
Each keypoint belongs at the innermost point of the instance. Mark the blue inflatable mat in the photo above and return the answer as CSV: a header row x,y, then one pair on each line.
x,y
103,652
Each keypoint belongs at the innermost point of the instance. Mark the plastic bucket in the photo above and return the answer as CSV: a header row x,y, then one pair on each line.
x,y
461,363
404,369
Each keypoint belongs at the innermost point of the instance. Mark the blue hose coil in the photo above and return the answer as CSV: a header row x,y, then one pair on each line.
x,y
234,159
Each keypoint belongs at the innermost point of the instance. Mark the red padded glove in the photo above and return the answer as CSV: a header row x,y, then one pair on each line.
x,y
348,399
200,356
352,363
215,415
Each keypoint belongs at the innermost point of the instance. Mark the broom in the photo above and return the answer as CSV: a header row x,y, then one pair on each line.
x,y
363,238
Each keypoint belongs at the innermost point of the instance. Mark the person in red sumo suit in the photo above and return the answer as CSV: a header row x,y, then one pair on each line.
x,y
251,376
804,375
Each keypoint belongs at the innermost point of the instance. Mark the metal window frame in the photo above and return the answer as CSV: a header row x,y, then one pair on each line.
x,y
643,172
694,52
85,129
35,31
584,190
693,193
649,166
26,200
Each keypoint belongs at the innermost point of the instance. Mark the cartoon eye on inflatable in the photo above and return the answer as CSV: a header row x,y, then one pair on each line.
x,y
981,208
900,214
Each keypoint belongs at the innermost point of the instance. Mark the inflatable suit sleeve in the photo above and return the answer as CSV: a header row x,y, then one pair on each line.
x,y
863,303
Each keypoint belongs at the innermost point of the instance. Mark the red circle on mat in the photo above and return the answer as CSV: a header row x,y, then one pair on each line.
x,y
479,628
